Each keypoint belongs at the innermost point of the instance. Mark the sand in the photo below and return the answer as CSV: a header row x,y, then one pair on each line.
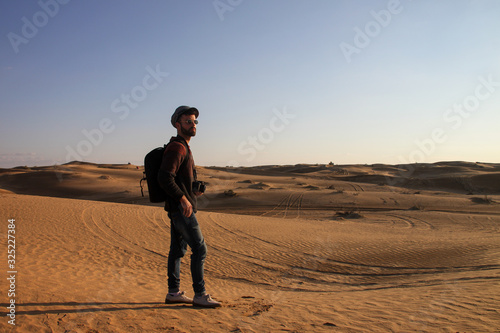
x,y
304,248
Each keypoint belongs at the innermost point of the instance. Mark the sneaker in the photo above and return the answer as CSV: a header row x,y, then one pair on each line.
x,y
177,298
206,301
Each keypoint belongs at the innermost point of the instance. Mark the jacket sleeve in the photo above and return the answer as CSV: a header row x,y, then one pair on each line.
x,y
172,159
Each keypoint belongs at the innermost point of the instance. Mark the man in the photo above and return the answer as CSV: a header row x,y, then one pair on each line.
x,y
177,175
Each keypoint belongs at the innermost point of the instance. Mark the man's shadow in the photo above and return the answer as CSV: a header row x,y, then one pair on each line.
x,y
75,307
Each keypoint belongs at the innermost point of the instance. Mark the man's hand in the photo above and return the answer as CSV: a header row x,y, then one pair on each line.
x,y
186,206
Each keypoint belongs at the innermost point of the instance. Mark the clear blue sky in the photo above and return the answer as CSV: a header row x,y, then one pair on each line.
x,y
276,82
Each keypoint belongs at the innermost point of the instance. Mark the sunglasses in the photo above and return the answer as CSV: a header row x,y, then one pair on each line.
x,y
190,122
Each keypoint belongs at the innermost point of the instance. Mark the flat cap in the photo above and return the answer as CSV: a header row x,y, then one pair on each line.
x,y
183,109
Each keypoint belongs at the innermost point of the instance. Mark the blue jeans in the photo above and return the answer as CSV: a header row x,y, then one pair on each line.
x,y
186,231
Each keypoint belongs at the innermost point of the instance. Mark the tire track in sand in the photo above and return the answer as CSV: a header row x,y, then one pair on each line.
x,y
289,203
413,222
325,268
93,218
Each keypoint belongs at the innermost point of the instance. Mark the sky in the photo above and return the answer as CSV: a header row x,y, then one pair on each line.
x,y
276,82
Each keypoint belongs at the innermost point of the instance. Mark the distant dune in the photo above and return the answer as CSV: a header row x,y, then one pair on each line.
x,y
120,182
302,248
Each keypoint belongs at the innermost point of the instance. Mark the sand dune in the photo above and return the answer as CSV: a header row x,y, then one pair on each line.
x,y
309,250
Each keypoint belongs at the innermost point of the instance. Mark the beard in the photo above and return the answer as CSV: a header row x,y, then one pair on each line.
x,y
188,132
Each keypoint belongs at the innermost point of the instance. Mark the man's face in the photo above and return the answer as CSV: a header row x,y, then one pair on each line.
x,y
187,125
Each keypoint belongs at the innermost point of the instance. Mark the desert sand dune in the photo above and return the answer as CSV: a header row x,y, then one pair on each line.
x,y
304,253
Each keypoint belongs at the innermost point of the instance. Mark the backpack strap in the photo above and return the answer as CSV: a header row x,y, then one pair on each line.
x,y
140,182
185,146
188,151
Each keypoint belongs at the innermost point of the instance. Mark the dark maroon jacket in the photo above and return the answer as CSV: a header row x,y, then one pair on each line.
x,y
177,173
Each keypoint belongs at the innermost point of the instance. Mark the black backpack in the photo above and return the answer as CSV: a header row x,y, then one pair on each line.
x,y
152,163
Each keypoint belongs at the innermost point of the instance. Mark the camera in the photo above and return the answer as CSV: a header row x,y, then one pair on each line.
x,y
199,186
